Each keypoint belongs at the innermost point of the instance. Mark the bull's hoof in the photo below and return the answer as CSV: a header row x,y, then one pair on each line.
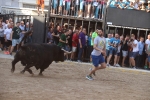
x,y
12,70
40,74
22,72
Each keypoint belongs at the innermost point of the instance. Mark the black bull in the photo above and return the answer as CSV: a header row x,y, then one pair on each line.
x,y
38,55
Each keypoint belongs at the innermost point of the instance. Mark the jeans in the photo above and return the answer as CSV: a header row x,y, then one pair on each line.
x,y
97,11
80,52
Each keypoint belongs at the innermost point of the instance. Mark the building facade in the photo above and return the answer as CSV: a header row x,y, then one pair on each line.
x,y
20,7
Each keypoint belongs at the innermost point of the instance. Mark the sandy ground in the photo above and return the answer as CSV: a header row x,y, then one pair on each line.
x,y
66,81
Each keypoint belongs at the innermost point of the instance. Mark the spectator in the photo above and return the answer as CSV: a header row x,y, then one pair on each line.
x,y
56,34
7,37
94,35
40,4
81,8
114,3
119,51
67,7
54,6
141,48
121,4
63,41
135,49
147,45
60,7
148,7
114,43
142,7
10,20
75,40
137,4
95,9
49,36
127,2
1,36
87,8
107,45
7,22
125,49
22,27
69,38
77,7
15,35
130,6
82,43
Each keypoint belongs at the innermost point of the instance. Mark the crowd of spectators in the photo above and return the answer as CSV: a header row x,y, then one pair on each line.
x,y
136,5
93,9
79,8
11,34
117,47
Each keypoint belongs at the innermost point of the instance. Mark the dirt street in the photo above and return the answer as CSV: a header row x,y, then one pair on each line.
x,y
66,81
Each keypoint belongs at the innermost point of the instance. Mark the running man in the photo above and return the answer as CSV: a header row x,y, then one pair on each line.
x,y
97,57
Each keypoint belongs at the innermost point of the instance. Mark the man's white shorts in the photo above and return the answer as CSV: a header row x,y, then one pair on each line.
x,y
15,42
124,53
74,49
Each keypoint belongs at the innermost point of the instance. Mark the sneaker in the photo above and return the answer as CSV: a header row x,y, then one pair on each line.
x,y
8,52
145,67
108,65
134,67
79,61
93,17
117,65
89,77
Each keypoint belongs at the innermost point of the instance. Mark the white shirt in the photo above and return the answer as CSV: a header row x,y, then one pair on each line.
x,y
7,32
136,5
100,42
135,49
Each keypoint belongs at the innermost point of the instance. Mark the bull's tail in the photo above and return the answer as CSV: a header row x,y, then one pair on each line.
x,y
25,36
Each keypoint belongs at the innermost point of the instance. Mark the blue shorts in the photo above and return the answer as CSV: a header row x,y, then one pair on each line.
x,y
81,4
54,4
97,60
148,58
60,2
15,42
112,51
67,6
133,54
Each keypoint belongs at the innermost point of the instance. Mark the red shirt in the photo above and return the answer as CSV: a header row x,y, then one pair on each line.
x,y
75,38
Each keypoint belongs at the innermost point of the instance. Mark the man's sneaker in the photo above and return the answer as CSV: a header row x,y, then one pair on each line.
x,y
79,61
134,67
117,65
89,77
8,52
108,65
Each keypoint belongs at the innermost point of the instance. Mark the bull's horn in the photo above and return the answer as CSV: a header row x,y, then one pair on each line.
x,y
66,51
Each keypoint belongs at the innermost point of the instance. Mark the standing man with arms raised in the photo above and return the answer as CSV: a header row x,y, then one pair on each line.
x,y
15,35
97,57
